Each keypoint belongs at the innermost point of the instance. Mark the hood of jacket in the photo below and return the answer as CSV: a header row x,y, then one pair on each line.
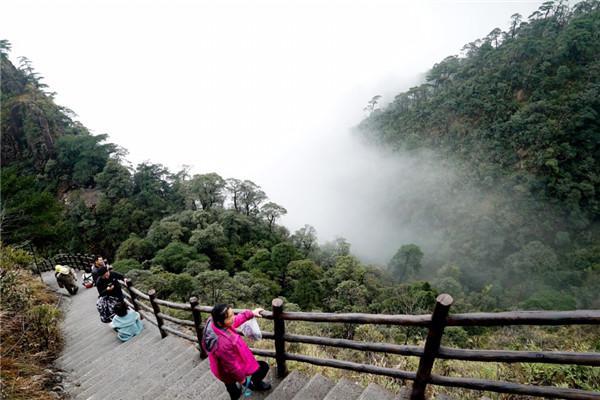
x,y
210,339
127,320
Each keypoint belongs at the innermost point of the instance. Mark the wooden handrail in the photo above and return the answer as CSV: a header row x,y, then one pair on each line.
x,y
359,318
508,356
575,317
355,345
514,388
448,353
178,321
427,354
352,366
177,306
179,333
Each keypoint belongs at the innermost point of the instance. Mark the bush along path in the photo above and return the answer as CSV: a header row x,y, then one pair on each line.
x,y
98,366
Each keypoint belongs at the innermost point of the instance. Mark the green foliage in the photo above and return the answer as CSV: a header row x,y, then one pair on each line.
x,y
125,265
135,248
216,287
184,286
175,257
81,157
208,190
281,255
516,115
550,300
115,180
209,239
27,212
304,287
406,262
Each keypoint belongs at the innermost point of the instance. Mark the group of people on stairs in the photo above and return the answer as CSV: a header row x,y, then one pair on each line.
x,y
231,360
111,304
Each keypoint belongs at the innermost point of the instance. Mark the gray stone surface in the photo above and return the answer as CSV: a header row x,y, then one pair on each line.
x,y
344,390
375,392
316,389
288,388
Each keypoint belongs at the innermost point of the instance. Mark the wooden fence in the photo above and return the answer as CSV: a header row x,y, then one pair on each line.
x,y
77,261
149,306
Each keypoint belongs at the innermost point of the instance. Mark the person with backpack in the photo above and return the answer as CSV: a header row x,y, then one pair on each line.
x,y
66,278
231,361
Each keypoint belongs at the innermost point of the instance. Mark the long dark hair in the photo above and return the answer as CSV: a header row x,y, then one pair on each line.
x,y
219,313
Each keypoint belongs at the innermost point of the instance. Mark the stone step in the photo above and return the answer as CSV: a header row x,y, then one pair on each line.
x,y
190,361
212,391
375,392
102,344
91,369
288,388
344,390
156,371
198,386
118,368
86,362
316,389
135,370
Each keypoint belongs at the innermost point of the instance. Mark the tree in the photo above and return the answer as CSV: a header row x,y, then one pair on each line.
x,y
234,187
134,248
305,239
281,255
260,261
115,180
271,212
372,104
208,239
153,193
251,197
304,284
175,257
208,190
406,261
80,157
163,232
215,287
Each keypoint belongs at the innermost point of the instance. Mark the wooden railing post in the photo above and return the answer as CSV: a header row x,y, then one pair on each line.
x,y
432,345
129,285
35,262
198,324
156,308
279,332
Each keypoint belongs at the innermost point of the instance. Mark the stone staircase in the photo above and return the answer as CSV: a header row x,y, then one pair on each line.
x,y
98,366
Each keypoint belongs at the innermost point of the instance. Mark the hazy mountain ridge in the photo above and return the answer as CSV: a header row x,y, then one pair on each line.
x,y
517,117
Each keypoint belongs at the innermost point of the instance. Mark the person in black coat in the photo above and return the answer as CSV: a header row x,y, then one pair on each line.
x,y
108,283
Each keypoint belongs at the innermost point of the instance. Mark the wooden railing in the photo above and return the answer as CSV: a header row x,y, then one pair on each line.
x,y
150,308
77,261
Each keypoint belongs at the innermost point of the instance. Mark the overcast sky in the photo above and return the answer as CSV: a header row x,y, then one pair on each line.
x,y
259,90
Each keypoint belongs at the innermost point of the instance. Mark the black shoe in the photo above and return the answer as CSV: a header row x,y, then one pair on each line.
x,y
260,386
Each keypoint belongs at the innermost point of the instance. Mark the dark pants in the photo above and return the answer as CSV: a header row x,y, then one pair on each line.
x,y
235,392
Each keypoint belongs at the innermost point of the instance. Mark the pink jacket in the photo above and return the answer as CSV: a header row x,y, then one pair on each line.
x,y
230,358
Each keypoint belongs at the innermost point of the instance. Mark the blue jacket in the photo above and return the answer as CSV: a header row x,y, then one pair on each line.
x,y
127,326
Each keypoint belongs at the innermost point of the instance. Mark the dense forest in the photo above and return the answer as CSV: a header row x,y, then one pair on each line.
x,y
516,114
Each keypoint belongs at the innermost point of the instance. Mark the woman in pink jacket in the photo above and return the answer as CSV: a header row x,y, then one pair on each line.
x,y
231,361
